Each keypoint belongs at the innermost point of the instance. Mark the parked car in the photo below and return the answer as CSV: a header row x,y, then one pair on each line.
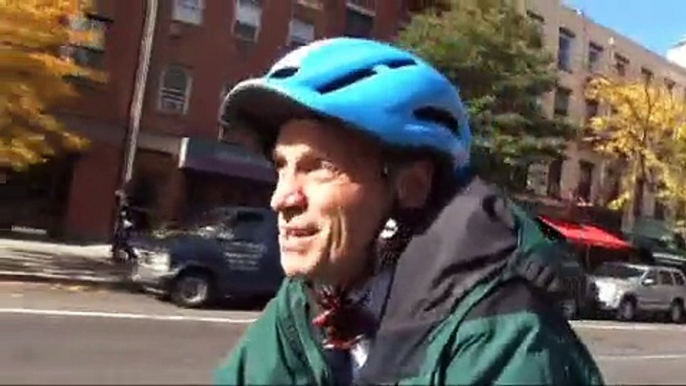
x,y
226,252
628,290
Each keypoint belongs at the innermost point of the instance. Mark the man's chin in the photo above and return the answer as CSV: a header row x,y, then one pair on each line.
x,y
298,266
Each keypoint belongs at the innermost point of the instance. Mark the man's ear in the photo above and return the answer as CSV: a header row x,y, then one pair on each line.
x,y
413,184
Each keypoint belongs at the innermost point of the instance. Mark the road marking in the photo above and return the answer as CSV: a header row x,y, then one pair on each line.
x,y
627,326
640,357
116,315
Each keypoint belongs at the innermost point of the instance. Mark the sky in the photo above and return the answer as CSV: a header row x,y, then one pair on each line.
x,y
655,24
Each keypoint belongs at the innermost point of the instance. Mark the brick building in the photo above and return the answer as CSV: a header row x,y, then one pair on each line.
x,y
74,192
584,48
200,49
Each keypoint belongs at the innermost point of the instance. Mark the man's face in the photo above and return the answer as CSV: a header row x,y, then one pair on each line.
x,y
330,198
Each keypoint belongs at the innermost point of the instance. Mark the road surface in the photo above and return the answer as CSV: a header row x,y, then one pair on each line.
x,y
59,336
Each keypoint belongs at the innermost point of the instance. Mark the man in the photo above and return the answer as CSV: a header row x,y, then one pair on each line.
x,y
401,266
121,249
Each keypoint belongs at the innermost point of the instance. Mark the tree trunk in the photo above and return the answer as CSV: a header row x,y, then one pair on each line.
x,y
637,207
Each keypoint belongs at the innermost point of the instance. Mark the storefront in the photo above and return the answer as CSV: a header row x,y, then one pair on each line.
x,y
220,173
37,197
595,245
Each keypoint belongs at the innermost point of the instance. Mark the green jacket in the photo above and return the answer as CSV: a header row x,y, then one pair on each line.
x,y
469,304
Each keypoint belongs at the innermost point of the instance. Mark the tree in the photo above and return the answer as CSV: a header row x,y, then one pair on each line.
x,y
646,129
495,55
34,78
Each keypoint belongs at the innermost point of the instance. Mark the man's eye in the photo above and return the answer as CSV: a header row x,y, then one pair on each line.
x,y
278,163
328,165
325,169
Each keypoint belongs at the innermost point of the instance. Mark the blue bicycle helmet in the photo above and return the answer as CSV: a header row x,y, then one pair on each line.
x,y
385,91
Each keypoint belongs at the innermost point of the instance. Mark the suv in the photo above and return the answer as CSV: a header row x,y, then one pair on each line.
x,y
226,252
629,289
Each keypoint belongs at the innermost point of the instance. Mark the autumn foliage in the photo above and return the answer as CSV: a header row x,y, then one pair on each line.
x,y
646,128
34,77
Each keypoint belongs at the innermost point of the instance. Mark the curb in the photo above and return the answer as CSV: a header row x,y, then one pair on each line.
x,y
93,283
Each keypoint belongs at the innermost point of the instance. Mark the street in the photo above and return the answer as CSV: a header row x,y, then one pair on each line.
x,y
57,336
65,336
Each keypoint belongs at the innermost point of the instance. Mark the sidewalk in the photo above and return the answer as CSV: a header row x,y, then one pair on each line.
x,y
41,261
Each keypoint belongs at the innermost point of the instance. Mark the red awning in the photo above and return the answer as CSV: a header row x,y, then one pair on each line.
x,y
587,234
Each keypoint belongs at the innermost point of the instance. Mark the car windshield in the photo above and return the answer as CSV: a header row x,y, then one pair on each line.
x,y
619,271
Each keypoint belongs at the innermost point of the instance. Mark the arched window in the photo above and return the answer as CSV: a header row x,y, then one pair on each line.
x,y
175,90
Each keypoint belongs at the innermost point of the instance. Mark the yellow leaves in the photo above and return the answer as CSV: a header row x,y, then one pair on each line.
x,y
33,77
645,126
619,202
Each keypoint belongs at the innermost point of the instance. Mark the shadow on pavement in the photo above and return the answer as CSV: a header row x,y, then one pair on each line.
x,y
33,261
40,236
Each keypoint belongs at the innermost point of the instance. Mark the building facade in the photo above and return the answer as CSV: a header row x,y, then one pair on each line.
x,y
200,49
74,192
583,49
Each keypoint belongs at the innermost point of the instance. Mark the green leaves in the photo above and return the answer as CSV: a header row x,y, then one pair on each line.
x,y
493,54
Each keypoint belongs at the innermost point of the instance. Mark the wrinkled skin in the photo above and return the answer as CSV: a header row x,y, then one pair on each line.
x,y
331,200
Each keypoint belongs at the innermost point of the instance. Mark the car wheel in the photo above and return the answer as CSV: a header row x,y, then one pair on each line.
x,y
626,310
193,289
676,312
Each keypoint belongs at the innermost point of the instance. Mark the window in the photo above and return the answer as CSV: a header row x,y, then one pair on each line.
x,y
564,50
651,275
660,211
585,180
248,19
646,75
539,24
666,278
537,19
592,107
299,33
246,225
359,21
188,11
621,65
317,4
562,97
554,177
90,53
369,5
621,271
595,53
614,183
679,279
175,90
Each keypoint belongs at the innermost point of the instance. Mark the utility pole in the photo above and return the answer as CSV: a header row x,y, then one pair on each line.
x,y
136,108
130,141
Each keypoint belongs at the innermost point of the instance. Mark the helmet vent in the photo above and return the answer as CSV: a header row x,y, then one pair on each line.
x,y
358,75
346,80
283,73
439,116
400,63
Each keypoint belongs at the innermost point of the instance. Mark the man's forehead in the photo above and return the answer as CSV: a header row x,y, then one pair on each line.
x,y
320,138
322,134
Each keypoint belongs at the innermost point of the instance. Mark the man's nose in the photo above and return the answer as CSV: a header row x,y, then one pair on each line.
x,y
288,196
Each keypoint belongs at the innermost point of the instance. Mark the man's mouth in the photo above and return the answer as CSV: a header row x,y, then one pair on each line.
x,y
292,237
299,232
